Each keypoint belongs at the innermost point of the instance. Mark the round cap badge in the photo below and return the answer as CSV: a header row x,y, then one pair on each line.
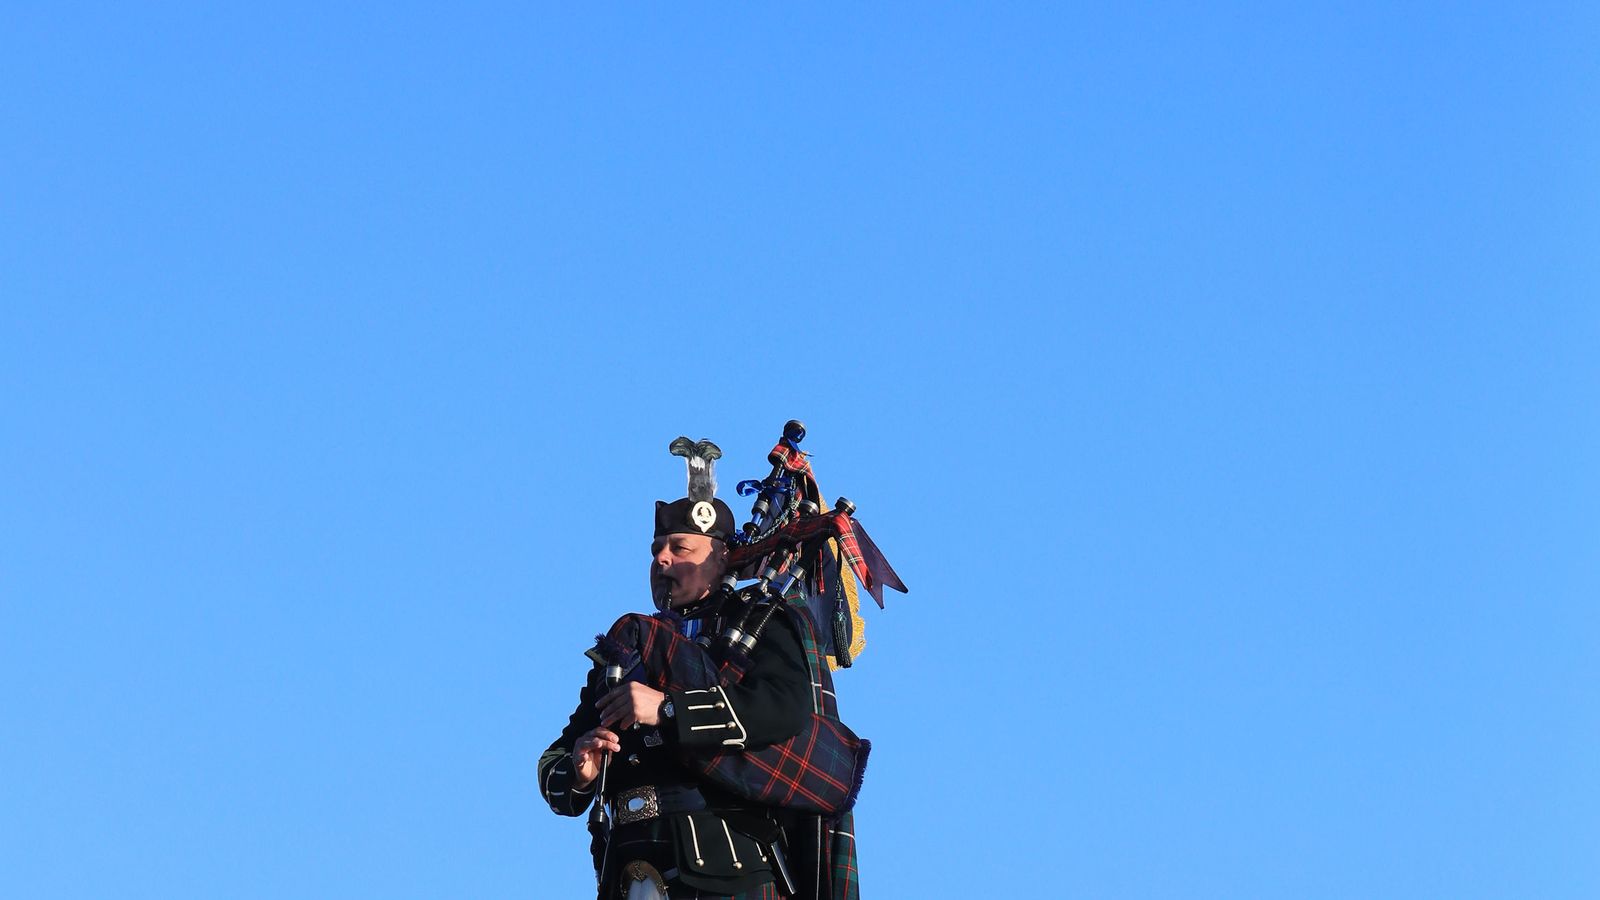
x,y
703,516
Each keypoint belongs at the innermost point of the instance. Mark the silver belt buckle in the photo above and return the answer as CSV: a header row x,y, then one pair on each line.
x,y
636,805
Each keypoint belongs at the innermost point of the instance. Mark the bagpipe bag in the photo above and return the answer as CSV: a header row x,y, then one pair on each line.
x,y
819,770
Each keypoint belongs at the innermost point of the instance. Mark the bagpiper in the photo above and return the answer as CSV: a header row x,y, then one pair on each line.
x,y
706,744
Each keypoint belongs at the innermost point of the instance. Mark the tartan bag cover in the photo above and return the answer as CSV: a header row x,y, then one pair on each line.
x,y
817,771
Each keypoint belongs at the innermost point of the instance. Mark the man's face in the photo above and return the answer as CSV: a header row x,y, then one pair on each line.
x,y
685,567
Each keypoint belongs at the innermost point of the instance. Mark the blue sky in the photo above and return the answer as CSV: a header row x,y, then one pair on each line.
x,y
1220,380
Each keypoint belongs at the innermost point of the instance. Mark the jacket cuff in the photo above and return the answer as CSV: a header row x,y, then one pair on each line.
x,y
556,786
707,719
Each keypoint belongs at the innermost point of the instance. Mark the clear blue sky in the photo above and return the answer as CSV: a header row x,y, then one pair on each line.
x,y
1222,382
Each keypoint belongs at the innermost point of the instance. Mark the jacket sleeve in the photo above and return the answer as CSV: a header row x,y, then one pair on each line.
x,y
557,772
769,705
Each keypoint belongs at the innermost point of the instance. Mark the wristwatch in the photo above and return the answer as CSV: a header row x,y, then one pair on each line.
x,y
666,708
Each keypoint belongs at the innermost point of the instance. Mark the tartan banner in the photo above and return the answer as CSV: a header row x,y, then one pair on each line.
x,y
836,525
855,547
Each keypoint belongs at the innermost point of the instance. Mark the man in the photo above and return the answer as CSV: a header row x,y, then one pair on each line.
x,y
672,829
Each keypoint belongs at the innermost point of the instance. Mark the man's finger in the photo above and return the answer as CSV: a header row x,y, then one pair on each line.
x,y
602,739
610,712
598,738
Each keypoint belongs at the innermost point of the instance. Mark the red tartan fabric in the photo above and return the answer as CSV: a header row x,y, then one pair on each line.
x,y
816,771
799,467
836,525
791,459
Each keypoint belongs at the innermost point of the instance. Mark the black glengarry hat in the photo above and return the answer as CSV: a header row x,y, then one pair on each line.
x,y
690,516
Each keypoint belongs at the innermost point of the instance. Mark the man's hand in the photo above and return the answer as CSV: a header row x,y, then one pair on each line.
x,y
587,753
630,703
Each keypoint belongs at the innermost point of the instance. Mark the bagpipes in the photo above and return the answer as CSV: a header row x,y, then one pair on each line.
x,y
797,553
791,535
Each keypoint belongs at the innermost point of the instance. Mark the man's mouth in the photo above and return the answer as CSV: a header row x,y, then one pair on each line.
x,y
661,585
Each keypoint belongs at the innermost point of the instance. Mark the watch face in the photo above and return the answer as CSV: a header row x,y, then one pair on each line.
x,y
667,710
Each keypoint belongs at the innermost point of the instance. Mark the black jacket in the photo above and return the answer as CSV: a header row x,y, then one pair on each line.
x,y
715,849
